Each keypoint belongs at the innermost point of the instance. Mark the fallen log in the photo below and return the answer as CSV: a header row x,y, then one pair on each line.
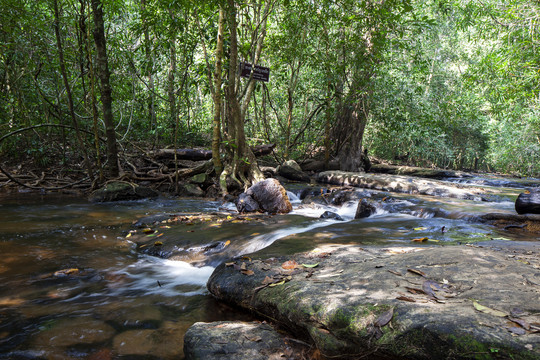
x,y
417,171
202,154
404,184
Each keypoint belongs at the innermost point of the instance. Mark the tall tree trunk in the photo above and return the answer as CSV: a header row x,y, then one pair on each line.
x,y
80,141
106,93
216,137
148,70
242,166
352,120
92,79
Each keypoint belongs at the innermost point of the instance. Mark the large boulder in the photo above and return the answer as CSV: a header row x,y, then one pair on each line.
x,y
528,202
291,170
237,340
451,302
269,194
120,191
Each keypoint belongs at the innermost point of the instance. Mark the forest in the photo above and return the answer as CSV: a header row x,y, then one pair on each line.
x,y
89,88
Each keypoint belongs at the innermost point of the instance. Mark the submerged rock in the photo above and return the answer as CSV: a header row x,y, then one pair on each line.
x,y
121,191
233,340
269,195
528,202
407,302
331,215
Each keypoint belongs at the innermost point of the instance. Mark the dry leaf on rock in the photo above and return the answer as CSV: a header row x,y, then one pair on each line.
x,y
487,310
384,318
291,264
417,272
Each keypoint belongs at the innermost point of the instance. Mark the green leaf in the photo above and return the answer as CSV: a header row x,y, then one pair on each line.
x,y
310,265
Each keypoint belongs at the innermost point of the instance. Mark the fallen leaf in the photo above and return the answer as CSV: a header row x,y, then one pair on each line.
x,y
291,264
310,265
243,266
394,272
147,230
230,263
487,310
277,284
415,290
516,330
128,235
248,272
417,272
384,318
267,280
520,322
158,243
66,272
405,298
420,239
254,338
227,243
420,228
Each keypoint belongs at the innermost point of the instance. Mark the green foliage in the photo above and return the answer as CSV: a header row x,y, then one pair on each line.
x,y
451,83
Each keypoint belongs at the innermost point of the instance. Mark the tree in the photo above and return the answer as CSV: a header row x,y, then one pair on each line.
x,y
102,67
241,165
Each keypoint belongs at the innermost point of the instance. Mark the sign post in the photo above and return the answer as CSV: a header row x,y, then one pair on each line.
x,y
260,73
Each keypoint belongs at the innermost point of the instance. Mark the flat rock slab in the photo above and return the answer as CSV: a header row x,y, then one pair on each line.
x,y
403,184
417,171
224,340
461,302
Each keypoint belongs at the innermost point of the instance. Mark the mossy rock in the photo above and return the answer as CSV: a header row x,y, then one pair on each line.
x,y
121,191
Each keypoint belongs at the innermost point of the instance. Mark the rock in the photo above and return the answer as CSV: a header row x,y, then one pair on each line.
x,y
403,302
74,331
528,202
245,203
331,215
190,190
224,340
404,184
318,165
162,343
292,171
417,171
120,191
270,196
199,179
365,209
135,317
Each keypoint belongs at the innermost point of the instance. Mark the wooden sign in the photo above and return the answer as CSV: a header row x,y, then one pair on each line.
x,y
260,73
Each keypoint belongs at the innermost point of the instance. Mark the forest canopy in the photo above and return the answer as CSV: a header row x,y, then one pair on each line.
x,y
451,84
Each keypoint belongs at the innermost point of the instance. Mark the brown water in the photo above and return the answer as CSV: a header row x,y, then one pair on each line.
x,y
72,286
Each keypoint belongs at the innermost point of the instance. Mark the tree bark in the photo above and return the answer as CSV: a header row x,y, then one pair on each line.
x,y
216,137
106,93
81,144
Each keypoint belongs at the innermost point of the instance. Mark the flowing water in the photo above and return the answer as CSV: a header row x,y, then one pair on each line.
x,y
74,285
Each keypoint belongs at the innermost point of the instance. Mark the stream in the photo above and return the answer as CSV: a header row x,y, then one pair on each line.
x,y
74,283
